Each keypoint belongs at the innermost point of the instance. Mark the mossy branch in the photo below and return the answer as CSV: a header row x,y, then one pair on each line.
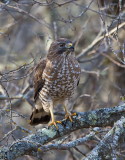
x,y
30,145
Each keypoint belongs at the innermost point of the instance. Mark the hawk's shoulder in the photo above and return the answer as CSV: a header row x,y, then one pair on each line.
x,y
37,76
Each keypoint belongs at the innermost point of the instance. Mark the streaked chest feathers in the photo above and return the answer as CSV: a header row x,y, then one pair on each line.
x,y
61,77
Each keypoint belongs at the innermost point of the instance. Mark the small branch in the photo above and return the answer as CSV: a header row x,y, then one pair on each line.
x,y
9,133
4,97
14,129
53,2
91,72
112,60
61,4
26,95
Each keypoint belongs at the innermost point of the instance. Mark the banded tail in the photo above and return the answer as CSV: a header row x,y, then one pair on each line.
x,y
39,116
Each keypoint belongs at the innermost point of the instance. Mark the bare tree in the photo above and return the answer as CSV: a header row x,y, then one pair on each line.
x,y
97,27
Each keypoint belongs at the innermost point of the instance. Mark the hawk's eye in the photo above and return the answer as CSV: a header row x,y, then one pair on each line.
x,y
61,44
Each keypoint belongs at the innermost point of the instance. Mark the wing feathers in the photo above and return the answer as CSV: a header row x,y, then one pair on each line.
x,y
38,80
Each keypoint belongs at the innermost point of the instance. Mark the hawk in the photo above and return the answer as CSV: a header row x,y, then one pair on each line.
x,y
55,81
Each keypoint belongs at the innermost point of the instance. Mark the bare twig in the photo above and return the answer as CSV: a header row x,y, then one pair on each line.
x,y
112,60
53,2
91,72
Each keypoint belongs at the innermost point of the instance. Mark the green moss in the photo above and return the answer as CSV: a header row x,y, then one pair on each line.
x,y
49,133
92,118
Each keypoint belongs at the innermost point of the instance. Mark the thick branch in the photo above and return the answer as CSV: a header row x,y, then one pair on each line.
x,y
30,144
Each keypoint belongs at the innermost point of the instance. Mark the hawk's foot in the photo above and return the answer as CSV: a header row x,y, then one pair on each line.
x,y
73,114
69,116
54,123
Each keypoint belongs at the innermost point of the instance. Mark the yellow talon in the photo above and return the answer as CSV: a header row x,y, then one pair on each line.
x,y
70,119
69,116
39,150
73,114
59,122
54,123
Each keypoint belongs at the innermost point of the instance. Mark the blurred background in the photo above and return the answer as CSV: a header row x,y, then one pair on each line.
x,y
27,28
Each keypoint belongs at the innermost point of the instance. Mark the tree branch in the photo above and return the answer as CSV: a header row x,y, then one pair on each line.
x,y
30,144
19,10
106,149
58,146
98,40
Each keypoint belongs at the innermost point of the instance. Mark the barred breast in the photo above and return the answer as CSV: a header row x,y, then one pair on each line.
x,y
61,78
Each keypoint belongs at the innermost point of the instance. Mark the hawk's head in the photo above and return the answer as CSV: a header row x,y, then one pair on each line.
x,y
61,46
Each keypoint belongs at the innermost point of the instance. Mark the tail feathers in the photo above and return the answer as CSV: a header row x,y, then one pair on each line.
x,y
39,117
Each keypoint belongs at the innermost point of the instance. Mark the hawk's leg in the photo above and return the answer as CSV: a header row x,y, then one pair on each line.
x,y
53,122
68,115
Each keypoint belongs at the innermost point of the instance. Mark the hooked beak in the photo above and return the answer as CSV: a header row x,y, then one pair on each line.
x,y
70,46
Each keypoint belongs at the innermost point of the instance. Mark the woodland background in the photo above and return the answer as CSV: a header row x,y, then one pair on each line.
x,y
27,28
